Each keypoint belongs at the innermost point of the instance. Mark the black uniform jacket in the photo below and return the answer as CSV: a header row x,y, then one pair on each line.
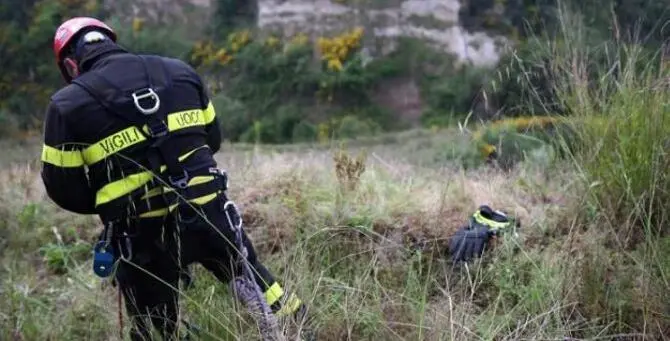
x,y
96,161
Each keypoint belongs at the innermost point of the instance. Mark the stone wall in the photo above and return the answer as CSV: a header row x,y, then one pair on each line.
x,y
179,12
435,21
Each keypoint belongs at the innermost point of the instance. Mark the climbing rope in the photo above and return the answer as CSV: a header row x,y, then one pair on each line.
x,y
245,286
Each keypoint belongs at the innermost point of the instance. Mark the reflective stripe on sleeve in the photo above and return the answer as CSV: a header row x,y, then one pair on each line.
x,y
62,158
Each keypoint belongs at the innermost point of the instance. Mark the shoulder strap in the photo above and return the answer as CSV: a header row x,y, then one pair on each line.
x,y
147,106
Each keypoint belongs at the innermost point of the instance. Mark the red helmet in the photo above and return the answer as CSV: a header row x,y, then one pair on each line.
x,y
69,29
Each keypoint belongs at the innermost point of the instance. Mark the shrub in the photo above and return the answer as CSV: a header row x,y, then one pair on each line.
x,y
8,125
507,140
286,92
351,127
617,93
143,37
305,131
29,75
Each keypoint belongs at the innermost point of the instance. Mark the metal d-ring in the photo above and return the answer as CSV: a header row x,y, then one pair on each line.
x,y
150,93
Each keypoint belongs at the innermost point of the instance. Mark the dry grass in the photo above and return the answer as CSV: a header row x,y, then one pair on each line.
x,y
366,247
370,259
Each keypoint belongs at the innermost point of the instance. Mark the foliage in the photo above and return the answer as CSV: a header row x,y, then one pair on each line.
x,y
230,15
634,20
622,154
616,93
494,138
510,140
283,90
150,38
348,170
29,73
527,79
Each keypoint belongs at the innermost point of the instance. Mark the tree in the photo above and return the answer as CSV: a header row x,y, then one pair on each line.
x,y
232,14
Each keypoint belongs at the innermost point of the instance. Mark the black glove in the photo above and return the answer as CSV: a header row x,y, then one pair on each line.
x,y
469,242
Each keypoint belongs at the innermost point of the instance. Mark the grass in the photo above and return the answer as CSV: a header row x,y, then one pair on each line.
x,y
364,241
369,258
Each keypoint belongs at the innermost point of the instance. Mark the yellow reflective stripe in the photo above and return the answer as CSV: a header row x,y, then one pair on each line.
x,y
62,158
152,193
291,306
199,200
185,156
116,189
155,213
210,113
196,180
113,144
204,199
163,211
132,135
186,119
274,293
480,219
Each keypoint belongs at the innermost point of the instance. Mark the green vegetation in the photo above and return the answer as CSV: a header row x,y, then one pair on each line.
x,y
356,215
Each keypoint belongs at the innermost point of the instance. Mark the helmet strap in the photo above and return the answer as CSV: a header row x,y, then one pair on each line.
x,y
71,67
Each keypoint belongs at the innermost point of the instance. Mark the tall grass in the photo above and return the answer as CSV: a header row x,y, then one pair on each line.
x,y
616,93
366,247
367,252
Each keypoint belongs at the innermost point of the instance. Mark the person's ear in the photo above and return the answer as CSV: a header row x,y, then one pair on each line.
x,y
71,67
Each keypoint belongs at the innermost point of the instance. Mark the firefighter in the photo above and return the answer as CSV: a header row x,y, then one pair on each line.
x,y
131,139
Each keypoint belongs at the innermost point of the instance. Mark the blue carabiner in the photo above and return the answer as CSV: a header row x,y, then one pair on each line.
x,y
103,259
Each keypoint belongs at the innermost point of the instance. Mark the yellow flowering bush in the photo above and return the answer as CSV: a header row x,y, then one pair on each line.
x,y
272,42
272,77
516,135
206,53
238,40
507,140
300,39
138,24
336,50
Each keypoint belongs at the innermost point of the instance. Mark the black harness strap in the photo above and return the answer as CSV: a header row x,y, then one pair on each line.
x,y
146,105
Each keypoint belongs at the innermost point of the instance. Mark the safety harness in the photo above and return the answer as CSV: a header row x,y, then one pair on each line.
x,y
146,109
151,102
151,119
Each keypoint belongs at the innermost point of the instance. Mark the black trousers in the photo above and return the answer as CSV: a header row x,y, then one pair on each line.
x,y
162,248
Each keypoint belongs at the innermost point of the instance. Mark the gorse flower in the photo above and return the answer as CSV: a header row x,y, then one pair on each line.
x,y
223,57
238,40
138,24
272,42
515,124
300,39
335,51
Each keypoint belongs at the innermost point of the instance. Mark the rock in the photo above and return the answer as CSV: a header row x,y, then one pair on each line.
x,y
435,21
